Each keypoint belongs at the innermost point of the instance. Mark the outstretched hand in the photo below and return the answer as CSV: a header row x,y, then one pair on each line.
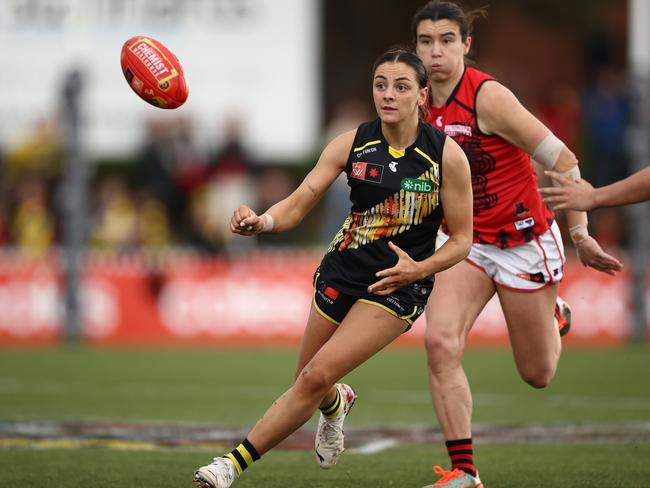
x,y
404,272
572,195
592,255
245,222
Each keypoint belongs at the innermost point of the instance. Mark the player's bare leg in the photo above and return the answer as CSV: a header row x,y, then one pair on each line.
x,y
460,294
350,345
533,332
317,332
329,442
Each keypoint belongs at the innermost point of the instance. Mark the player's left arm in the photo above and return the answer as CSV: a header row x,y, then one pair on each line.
x,y
501,113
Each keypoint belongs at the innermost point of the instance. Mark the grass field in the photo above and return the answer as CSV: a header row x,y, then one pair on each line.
x,y
233,387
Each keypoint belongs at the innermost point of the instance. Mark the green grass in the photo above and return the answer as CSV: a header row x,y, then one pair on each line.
x,y
504,466
233,387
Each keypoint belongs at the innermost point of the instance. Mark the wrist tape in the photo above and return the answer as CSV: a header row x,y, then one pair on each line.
x,y
268,223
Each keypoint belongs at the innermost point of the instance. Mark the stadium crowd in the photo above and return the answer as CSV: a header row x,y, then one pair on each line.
x,y
173,192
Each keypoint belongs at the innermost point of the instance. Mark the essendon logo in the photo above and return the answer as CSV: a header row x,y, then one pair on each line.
x,y
367,172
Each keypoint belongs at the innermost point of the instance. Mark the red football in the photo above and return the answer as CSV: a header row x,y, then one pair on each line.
x,y
153,72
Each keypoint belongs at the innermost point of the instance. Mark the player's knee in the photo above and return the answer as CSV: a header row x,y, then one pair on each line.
x,y
313,381
538,377
443,349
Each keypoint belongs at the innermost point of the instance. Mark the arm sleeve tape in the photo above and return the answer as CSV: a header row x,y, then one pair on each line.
x,y
578,233
547,152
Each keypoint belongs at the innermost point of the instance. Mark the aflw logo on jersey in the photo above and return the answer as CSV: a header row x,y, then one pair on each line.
x,y
458,130
367,172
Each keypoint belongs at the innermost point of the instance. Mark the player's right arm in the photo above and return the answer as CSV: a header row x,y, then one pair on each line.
x,y
289,212
456,200
580,195
502,114
457,203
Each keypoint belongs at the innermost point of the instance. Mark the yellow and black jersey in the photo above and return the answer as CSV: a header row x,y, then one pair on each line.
x,y
395,197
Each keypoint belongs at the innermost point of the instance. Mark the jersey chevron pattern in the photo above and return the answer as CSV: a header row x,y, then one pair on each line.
x,y
395,196
395,215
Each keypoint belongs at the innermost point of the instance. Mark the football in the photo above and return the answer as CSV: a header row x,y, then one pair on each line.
x,y
153,72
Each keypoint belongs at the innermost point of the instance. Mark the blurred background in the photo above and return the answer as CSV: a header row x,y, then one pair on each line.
x,y
113,213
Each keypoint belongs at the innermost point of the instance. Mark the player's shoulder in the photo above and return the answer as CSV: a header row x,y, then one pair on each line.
x,y
452,151
494,96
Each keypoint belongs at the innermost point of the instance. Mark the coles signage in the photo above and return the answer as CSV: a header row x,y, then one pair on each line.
x,y
259,298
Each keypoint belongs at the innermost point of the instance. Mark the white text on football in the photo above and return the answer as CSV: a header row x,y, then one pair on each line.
x,y
151,59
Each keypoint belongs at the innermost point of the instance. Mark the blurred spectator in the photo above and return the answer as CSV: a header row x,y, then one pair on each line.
x,y
32,227
227,184
153,226
115,219
275,184
607,226
560,111
38,153
347,115
606,117
30,170
190,163
4,221
158,168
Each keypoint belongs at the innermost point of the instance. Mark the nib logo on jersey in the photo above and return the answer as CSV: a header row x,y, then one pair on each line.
x,y
417,185
367,172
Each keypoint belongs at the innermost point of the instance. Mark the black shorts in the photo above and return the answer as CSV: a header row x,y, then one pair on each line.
x,y
334,305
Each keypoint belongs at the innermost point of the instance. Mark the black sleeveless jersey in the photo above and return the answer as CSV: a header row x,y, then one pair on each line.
x,y
395,197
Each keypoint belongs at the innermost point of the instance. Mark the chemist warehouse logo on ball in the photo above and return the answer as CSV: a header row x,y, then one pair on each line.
x,y
155,61
367,172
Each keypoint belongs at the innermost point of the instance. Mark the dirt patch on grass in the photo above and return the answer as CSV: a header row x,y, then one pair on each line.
x,y
152,434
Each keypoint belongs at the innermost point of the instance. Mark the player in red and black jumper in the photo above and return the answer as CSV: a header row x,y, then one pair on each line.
x,y
517,250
